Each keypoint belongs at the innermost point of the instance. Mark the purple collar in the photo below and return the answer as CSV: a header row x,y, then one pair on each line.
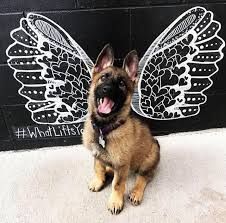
x,y
106,129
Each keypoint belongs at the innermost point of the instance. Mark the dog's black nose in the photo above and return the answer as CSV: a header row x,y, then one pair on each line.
x,y
106,89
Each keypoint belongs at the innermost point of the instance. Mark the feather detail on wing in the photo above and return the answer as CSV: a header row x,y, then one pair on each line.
x,y
53,69
177,68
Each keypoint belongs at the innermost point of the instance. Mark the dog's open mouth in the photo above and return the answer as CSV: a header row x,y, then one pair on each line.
x,y
105,105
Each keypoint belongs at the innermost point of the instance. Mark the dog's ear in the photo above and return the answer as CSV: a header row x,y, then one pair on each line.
x,y
130,65
105,59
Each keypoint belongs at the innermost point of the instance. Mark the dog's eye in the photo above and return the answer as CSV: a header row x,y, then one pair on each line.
x,y
105,76
122,84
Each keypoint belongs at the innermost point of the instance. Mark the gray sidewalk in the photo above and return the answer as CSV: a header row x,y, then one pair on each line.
x,y
50,185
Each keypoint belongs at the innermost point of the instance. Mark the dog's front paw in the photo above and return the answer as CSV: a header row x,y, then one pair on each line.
x,y
115,204
135,197
96,185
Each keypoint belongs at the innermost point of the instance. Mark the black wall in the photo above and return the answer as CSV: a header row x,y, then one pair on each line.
x,y
124,24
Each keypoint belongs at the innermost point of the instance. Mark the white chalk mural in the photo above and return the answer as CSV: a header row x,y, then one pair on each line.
x,y
53,69
174,72
177,68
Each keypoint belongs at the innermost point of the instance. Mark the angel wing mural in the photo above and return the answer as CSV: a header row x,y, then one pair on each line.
x,y
174,72
53,69
177,68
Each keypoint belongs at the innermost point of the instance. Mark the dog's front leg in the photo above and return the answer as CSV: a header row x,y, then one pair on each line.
x,y
116,200
101,159
97,182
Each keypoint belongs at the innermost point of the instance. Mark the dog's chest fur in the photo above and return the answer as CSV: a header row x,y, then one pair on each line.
x,y
127,143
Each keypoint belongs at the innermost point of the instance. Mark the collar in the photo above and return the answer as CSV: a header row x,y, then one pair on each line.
x,y
106,129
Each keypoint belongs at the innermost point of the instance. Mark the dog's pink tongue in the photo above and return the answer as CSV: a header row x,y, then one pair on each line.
x,y
106,106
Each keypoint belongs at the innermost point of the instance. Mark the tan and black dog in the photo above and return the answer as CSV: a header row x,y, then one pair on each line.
x,y
119,141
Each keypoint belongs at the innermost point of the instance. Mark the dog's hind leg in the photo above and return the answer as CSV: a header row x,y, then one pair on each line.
x,y
97,182
145,172
137,192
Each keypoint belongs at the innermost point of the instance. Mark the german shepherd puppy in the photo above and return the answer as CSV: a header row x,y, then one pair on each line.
x,y
119,142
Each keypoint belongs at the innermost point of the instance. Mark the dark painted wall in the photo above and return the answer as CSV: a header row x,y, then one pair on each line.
x,y
126,25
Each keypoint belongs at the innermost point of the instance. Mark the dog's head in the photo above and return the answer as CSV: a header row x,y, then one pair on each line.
x,y
112,87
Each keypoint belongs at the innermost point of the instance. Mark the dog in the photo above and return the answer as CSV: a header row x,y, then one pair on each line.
x,y
118,140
